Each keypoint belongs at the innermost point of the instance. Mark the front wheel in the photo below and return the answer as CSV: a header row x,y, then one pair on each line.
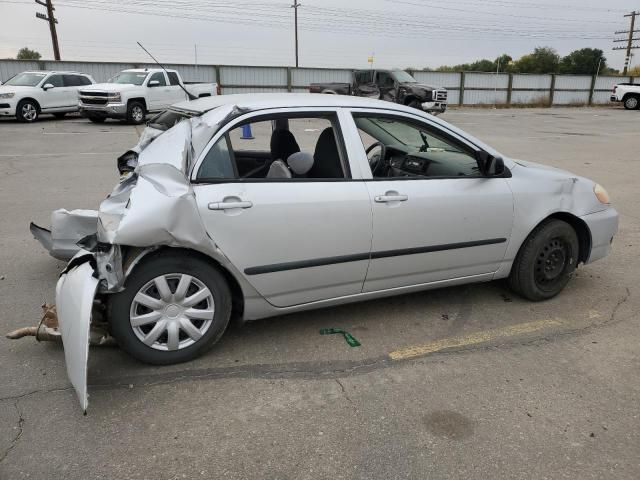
x,y
175,307
135,113
546,261
27,111
632,102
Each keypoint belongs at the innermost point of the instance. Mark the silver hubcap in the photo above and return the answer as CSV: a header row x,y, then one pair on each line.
x,y
632,102
172,311
29,112
137,113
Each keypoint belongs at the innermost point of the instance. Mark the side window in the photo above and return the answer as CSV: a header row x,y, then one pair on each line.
x,y
71,80
84,80
159,76
364,77
397,147
279,147
55,80
218,162
384,79
173,78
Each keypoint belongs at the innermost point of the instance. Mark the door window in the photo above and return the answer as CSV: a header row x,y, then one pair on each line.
x,y
159,76
364,77
173,78
278,147
384,80
399,148
55,80
72,80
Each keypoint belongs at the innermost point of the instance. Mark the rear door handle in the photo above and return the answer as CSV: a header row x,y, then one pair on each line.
x,y
229,205
391,198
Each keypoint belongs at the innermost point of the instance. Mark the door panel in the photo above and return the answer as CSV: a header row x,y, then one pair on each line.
x,y
425,230
296,242
56,97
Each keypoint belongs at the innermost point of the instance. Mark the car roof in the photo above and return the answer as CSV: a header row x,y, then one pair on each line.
x,y
262,101
153,69
64,72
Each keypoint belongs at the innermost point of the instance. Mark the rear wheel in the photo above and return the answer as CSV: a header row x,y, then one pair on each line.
x,y
632,102
546,261
135,113
27,111
175,307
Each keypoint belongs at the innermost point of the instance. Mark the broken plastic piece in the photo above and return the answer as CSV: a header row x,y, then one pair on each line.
x,y
350,339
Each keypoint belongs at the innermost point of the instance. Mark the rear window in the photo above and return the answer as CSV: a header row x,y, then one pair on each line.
x,y
173,78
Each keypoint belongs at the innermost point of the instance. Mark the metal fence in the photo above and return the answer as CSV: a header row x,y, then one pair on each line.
x,y
465,88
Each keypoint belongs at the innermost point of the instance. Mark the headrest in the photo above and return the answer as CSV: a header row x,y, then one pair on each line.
x,y
300,163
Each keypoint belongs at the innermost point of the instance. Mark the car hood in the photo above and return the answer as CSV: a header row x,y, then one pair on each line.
x,y
110,87
420,86
546,168
16,89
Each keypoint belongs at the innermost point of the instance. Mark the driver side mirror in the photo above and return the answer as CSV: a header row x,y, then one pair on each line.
x,y
489,165
47,86
154,83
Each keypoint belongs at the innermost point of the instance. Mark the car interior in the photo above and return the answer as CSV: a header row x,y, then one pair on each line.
x,y
278,148
397,148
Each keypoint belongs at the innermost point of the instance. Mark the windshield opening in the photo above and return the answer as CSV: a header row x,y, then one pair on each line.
x,y
131,78
403,77
26,79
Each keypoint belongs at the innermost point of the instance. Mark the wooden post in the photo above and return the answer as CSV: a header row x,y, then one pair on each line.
x,y
552,90
289,86
591,90
461,96
509,89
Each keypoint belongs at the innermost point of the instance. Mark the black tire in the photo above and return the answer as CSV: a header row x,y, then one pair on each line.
x,y
133,115
546,261
167,263
60,114
632,102
97,118
27,111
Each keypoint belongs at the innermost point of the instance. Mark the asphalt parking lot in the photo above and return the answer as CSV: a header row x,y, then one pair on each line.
x,y
503,388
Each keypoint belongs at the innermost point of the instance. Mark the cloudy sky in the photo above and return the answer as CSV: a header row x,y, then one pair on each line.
x,y
401,33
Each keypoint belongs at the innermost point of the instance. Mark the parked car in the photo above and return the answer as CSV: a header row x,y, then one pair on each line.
x,y
395,86
336,199
628,94
133,93
29,94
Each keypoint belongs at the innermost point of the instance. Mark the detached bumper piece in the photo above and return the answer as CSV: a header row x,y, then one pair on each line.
x,y
67,229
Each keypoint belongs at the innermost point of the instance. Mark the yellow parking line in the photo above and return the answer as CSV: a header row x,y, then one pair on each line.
x,y
472,339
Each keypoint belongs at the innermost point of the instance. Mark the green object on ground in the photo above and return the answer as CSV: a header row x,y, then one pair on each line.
x,y
350,339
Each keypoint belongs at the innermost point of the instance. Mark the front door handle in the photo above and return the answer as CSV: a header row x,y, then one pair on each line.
x,y
229,205
391,197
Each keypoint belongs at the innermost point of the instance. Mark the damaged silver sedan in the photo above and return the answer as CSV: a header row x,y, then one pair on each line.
x,y
250,206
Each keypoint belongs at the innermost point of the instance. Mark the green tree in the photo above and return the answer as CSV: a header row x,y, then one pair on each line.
x,y
542,60
584,61
27,54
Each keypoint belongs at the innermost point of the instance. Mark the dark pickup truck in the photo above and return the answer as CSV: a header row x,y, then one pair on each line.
x,y
395,86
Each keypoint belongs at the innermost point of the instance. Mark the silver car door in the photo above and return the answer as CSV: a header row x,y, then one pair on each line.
x,y
444,224
295,240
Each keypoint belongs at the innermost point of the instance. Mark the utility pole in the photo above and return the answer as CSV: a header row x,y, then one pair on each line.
x,y
52,25
295,6
630,39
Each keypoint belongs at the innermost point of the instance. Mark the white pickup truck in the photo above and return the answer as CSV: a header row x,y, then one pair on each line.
x,y
628,94
133,93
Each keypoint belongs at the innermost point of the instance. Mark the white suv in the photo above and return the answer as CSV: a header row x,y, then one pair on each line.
x,y
28,94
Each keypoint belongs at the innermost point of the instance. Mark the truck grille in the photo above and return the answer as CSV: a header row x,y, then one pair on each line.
x,y
94,101
440,95
94,94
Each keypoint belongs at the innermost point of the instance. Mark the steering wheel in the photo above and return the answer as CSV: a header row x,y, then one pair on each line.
x,y
376,160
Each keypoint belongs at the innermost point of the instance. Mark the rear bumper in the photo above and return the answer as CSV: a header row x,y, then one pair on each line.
x,y
603,227
614,99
